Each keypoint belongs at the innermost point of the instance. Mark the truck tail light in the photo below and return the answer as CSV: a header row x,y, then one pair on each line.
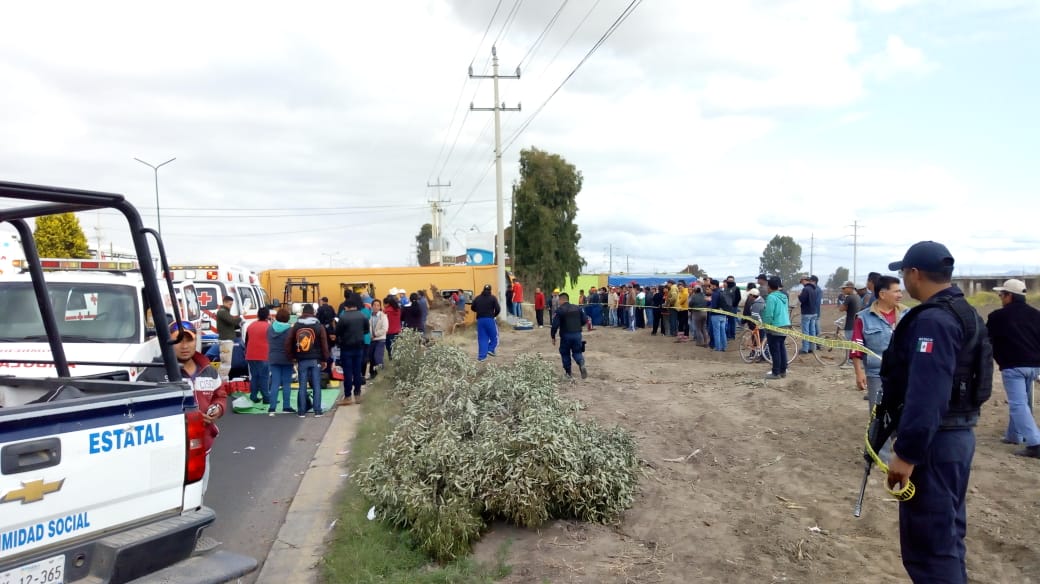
x,y
195,463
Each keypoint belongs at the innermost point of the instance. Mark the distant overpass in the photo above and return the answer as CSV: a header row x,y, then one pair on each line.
x,y
985,283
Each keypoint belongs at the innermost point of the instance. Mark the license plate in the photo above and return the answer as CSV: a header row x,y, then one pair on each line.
x,y
47,571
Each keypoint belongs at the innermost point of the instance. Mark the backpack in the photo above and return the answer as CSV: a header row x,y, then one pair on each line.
x,y
973,377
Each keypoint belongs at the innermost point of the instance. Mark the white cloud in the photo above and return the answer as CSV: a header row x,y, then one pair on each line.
x,y
898,58
329,117
889,5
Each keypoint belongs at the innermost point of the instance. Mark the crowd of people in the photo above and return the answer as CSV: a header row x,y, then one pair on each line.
x,y
931,364
351,341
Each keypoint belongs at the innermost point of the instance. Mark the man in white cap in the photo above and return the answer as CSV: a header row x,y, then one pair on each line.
x,y
1014,331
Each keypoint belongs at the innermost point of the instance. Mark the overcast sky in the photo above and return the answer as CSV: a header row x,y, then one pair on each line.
x,y
305,133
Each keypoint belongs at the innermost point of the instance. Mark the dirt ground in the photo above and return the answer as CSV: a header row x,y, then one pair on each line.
x,y
753,481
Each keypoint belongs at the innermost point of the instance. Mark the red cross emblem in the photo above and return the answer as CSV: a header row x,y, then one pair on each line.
x,y
204,297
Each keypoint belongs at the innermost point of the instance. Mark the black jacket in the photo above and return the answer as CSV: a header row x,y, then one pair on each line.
x,y
1015,333
351,329
568,319
485,305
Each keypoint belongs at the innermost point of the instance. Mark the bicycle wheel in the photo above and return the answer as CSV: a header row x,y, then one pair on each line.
x,y
830,355
747,346
792,348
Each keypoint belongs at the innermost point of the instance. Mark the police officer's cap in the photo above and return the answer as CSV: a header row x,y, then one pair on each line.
x,y
927,256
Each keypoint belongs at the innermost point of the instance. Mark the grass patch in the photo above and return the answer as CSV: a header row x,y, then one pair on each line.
x,y
364,551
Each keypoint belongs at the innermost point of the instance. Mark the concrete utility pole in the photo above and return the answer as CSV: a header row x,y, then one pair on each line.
x,y
812,249
855,248
500,245
436,240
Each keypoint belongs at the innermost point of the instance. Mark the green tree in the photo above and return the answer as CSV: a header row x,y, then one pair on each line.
x,y
60,236
546,235
839,277
782,257
423,241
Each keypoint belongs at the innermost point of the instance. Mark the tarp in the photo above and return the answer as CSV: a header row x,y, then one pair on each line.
x,y
647,279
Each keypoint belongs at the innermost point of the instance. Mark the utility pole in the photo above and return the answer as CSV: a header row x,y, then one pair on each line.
x,y
610,265
500,244
812,249
512,233
437,245
628,269
855,248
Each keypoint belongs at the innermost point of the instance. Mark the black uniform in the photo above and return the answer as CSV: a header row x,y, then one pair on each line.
x,y
925,365
568,320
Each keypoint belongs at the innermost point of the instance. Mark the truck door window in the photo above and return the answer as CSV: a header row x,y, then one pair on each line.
x,y
248,299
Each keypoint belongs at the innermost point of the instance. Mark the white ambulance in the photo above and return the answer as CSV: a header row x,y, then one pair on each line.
x,y
102,317
215,281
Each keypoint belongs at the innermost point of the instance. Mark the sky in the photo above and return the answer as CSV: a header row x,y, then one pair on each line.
x,y
305,135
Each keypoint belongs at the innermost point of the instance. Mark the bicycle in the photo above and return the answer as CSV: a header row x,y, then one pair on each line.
x,y
753,349
831,356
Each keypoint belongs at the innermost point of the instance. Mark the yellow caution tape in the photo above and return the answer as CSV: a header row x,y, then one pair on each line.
x,y
907,491
829,343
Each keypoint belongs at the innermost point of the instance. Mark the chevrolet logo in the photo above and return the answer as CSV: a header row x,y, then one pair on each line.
x,y
32,491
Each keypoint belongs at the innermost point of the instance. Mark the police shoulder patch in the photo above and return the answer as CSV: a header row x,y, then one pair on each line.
x,y
925,345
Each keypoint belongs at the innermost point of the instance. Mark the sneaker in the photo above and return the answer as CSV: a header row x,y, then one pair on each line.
x,y
357,400
491,353
288,410
302,416
319,414
1008,441
584,372
1029,451
345,402
270,411
772,376
270,414
568,377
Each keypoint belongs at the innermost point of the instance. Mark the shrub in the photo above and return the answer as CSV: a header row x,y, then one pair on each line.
x,y
470,447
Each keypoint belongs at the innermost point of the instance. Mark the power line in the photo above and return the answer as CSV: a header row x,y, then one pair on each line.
x,y
602,39
508,22
541,37
458,100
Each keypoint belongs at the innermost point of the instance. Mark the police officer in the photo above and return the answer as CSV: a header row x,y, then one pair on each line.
x,y
924,368
568,319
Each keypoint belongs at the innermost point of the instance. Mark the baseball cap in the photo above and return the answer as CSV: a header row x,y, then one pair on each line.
x,y
925,255
753,292
1013,286
487,287
187,327
849,284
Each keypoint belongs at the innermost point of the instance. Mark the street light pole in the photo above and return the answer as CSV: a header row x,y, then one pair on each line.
x,y
155,170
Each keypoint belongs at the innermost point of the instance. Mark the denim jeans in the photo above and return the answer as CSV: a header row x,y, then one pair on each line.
x,y
353,362
673,322
281,379
1018,384
717,322
810,326
731,327
630,318
612,312
310,373
377,348
259,380
518,309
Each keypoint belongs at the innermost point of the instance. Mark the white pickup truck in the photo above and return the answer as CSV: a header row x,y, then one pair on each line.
x,y
100,479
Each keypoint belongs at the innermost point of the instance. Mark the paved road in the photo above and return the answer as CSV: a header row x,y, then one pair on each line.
x,y
257,465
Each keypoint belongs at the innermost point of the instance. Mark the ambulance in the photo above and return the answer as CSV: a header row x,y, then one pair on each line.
x,y
101,313
215,281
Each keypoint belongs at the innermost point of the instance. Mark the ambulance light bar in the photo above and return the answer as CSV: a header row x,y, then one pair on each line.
x,y
83,265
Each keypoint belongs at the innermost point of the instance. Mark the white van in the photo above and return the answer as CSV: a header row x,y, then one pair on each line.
x,y
101,315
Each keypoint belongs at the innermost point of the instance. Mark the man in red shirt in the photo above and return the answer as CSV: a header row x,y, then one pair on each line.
x,y
518,299
256,357
539,307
